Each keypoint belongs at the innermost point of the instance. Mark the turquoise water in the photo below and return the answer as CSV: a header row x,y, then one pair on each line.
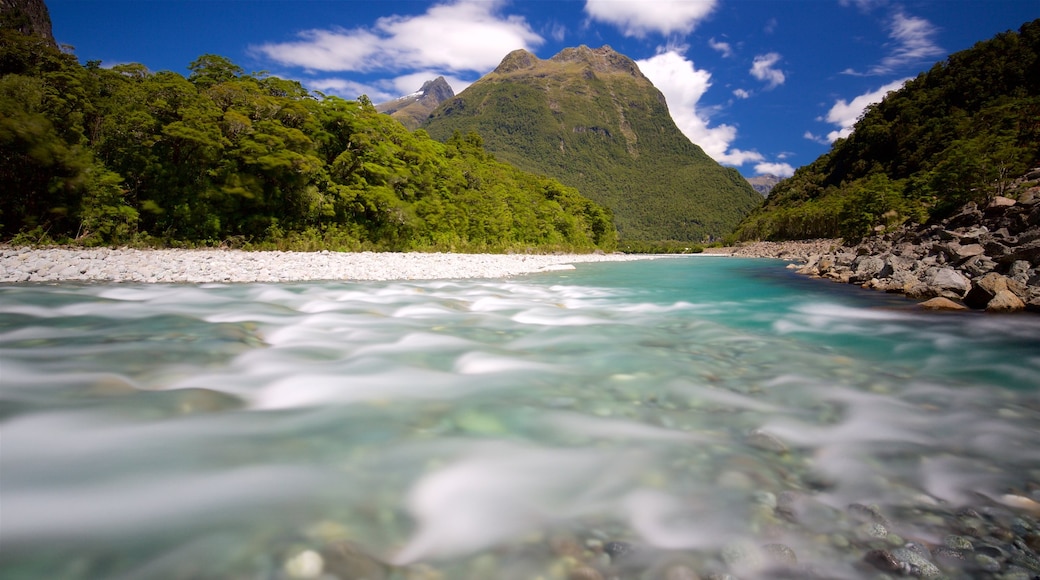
x,y
685,408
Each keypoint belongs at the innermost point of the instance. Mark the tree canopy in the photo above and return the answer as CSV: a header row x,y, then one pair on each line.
x,y
957,133
222,157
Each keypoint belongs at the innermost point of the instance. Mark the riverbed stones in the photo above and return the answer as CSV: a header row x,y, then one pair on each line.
x,y
760,439
199,266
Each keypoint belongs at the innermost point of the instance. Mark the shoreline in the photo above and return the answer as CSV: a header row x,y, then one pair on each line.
x,y
26,264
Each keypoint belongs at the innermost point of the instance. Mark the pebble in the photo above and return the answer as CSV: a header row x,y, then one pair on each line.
x,y
201,266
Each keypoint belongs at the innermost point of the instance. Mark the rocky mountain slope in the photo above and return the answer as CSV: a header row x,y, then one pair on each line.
x,y
589,118
764,183
30,17
411,110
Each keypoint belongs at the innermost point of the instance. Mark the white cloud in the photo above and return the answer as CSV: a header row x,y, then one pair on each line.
x,y
741,94
844,113
777,169
723,47
464,35
348,89
558,32
817,138
913,42
762,69
683,86
863,5
638,17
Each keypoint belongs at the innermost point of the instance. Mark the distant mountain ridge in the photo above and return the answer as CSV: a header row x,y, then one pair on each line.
x,y
590,118
764,183
411,110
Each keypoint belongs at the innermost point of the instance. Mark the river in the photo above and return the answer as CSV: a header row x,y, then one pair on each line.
x,y
652,419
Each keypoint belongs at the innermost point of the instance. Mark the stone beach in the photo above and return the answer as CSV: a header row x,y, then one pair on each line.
x,y
22,264
984,258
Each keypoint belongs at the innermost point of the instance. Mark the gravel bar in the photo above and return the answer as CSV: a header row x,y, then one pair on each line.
x,y
23,264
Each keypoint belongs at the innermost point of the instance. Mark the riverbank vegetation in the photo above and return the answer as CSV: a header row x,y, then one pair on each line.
x,y
98,156
962,131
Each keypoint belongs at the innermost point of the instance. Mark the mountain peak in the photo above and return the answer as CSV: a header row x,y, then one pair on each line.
x,y
602,59
412,109
438,89
519,59
590,119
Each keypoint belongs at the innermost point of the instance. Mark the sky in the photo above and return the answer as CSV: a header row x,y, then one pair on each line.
x,y
764,86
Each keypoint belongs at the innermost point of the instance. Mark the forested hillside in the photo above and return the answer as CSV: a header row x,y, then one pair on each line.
x,y
962,131
125,155
589,118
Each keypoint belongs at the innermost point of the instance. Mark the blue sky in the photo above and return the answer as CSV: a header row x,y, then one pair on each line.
x,y
763,86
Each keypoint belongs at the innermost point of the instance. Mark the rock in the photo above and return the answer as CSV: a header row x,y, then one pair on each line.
x,y
949,283
1005,301
780,554
866,267
306,564
617,549
984,289
999,205
978,266
941,304
762,440
346,561
915,563
959,543
582,572
883,560
865,513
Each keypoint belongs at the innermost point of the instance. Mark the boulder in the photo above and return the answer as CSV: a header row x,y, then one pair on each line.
x,y
984,289
866,267
1005,301
956,252
940,303
949,283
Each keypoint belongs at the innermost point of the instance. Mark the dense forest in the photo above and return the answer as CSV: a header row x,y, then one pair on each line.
x,y
589,118
959,132
92,156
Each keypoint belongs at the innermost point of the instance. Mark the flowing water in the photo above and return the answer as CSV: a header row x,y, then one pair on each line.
x,y
649,419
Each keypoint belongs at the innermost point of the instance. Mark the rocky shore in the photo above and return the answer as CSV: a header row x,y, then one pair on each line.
x,y
980,258
20,264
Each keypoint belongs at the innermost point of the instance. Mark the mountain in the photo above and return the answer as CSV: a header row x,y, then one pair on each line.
x,y
960,132
411,110
764,183
30,17
589,118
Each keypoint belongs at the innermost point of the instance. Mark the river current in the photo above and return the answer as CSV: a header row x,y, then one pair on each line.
x,y
695,415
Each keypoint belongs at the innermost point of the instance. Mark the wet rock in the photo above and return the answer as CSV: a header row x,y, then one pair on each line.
x,y
939,303
780,555
987,563
916,564
617,550
347,562
762,440
742,557
958,543
305,564
582,572
884,560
